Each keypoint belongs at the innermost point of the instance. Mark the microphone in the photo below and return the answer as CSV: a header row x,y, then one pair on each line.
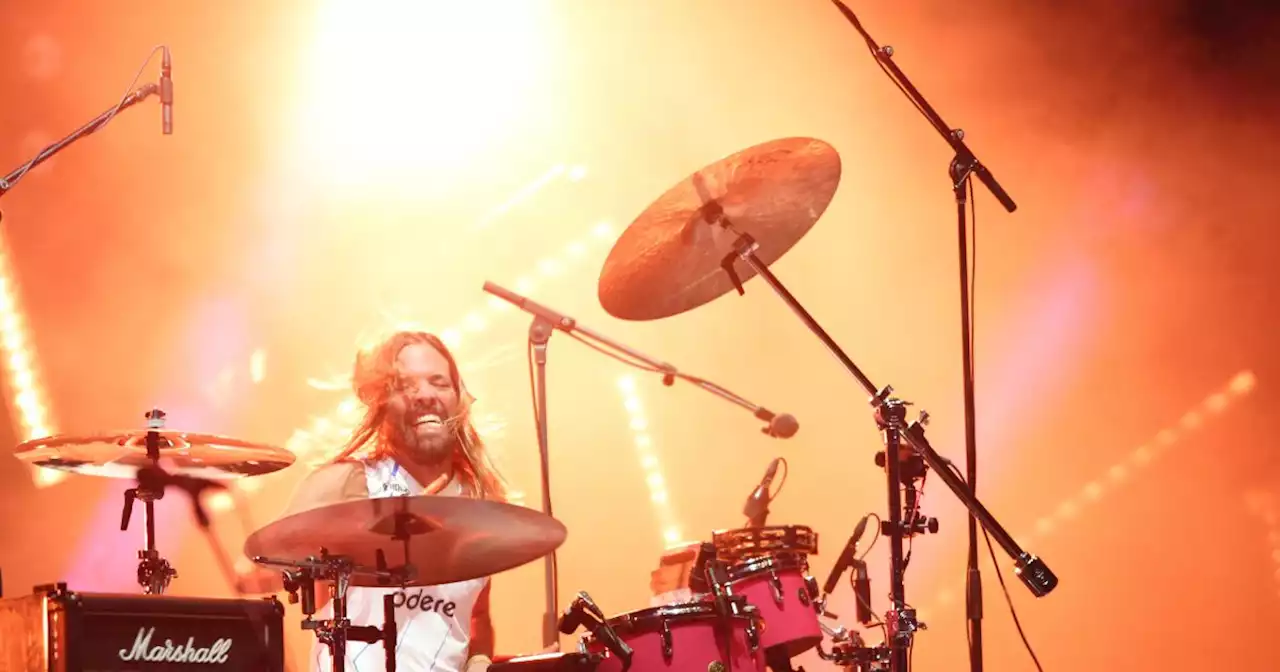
x,y
166,93
781,426
847,557
862,592
757,507
584,612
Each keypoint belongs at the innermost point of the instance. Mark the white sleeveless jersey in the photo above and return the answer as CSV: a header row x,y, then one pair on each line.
x,y
434,622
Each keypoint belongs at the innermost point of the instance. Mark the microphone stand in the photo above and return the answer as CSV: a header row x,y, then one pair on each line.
x,y
781,425
139,95
962,167
539,336
545,321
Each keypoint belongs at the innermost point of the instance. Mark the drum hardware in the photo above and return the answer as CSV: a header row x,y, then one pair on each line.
x,y
154,572
300,584
549,662
674,229
545,322
583,613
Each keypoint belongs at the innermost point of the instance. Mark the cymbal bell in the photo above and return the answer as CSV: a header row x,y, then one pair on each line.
x,y
669,260
442,539
120,454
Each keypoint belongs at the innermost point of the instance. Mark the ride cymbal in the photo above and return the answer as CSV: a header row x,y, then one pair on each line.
x,y
669,260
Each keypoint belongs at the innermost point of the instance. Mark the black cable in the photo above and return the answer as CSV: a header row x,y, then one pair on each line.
x,y
786,469
1007,597
875,538
533,390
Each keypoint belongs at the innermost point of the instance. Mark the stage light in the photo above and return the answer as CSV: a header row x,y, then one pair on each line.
x,y
649,463
33,419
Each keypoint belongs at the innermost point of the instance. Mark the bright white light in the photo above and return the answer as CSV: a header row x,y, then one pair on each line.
x,y
405,93
258,366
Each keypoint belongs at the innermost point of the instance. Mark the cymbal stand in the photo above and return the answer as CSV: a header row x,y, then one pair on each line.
x,y
300,584
890,416
154,572
964,166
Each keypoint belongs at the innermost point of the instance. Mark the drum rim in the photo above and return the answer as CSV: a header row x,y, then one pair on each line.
x,y
732,542
752,567
647,620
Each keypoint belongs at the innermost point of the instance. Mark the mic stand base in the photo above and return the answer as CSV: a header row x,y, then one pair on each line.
x,y
539,337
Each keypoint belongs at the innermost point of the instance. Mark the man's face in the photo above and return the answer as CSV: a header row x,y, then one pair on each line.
x,y
422,402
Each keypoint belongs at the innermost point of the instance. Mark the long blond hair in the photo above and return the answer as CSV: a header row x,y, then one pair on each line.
x,y
373,381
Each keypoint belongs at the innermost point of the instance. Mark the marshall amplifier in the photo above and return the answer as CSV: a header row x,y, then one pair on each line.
x,y
55,630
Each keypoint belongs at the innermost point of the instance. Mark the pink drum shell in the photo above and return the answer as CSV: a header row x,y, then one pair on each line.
x,y
696,643
793,622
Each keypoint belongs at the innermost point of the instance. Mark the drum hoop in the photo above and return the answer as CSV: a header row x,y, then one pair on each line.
x,y
783,562
649,620
756,541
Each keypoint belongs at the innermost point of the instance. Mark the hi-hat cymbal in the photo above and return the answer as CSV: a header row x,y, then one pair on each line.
x,y
121,454
669,259
449,539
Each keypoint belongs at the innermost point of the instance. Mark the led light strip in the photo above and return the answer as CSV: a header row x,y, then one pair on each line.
x,y
575,174
327,431
1215,404
1263,505
649,461
26,399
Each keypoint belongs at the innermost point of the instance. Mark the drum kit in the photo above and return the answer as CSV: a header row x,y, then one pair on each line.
x,y
742,600
746,599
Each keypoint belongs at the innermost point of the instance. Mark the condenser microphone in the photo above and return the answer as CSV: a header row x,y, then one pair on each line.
x,y
166,93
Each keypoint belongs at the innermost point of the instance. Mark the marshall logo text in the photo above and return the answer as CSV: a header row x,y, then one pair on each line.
x,y
143,651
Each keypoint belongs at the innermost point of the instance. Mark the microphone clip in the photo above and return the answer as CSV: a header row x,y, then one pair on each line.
x,y
584,613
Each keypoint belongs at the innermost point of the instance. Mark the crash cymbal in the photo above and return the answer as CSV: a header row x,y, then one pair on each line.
x,y
450,539
669,259
120,454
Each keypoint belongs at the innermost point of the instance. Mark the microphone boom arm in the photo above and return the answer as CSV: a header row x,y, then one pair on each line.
x,y
781,425
140,94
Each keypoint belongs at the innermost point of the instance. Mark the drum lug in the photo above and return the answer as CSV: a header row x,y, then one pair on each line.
x,y
776,584
668,651
809,593
753,636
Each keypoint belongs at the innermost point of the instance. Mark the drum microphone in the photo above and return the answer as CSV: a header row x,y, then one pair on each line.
x,y
166,93
757,507
781,426
584,613
847,557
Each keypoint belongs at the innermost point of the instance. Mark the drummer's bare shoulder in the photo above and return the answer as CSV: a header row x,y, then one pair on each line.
x,y
330,483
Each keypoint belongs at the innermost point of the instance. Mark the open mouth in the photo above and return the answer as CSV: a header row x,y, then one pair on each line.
x,y
428,420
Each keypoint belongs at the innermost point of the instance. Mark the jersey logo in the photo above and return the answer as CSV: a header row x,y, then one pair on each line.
x,y
424,602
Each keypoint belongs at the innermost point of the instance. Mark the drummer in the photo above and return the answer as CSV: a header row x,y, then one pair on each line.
x,y
416,438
